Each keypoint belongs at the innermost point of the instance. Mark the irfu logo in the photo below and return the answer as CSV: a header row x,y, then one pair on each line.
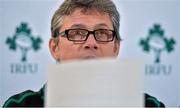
x,y
24,40
157,42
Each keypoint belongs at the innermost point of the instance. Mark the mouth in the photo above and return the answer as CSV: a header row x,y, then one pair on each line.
x,y
89,56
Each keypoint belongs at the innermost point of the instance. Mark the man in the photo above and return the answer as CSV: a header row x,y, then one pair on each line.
x,y
81,29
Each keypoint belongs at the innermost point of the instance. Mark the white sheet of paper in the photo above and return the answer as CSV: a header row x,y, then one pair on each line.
x,y
96,83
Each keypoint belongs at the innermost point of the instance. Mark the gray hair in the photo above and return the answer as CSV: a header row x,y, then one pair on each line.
x,y
68,7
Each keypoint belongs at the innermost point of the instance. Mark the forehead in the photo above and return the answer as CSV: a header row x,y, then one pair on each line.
x,y
90,19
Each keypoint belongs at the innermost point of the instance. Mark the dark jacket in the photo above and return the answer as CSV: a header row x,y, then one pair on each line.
x,y
36,99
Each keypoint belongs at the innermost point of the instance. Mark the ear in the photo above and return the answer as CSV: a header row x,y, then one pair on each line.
x,y
116,47
54,49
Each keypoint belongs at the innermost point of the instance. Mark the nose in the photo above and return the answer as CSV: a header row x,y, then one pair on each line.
x,y
91,43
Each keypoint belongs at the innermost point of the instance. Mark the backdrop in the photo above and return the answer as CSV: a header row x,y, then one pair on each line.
x,y
149,28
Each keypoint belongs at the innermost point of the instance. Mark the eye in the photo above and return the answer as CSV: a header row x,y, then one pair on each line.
x,y
104,35
77,34
82,32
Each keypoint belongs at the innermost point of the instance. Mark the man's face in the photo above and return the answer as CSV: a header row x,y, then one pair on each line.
x,y
69,50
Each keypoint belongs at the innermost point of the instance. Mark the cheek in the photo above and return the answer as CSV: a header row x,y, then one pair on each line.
x,y
107,50
67,50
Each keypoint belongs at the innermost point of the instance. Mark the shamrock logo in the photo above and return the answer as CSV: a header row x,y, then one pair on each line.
x,y
157,42
24,40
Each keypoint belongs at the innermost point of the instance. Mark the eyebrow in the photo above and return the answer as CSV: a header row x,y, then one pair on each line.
x,y
78,26
101,25
97,26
